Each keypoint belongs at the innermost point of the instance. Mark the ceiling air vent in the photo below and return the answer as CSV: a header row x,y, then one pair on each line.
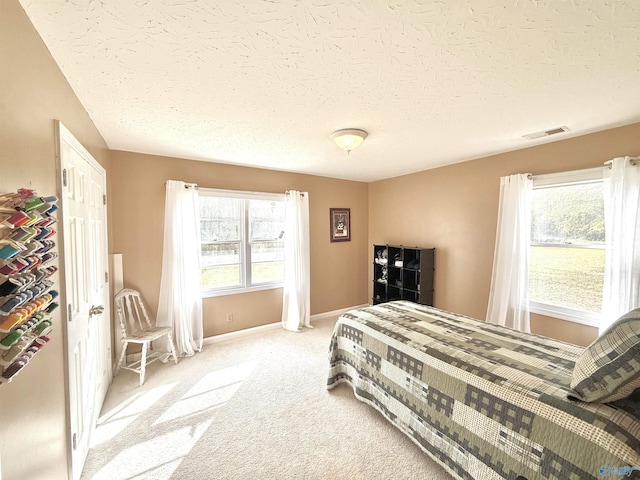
x,y
546,133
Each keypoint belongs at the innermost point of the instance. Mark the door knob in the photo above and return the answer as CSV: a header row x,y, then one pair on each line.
x,y
96,310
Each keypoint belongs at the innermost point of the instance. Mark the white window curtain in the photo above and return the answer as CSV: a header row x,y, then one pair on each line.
x,y
180,302
296,291
621,289
509,295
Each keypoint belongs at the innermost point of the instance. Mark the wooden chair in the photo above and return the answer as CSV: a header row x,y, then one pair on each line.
x,y
136,328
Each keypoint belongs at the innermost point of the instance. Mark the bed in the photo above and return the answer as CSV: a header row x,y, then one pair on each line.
x,y
484,401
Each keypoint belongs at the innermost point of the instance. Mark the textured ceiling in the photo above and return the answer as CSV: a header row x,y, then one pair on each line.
x,y
264,83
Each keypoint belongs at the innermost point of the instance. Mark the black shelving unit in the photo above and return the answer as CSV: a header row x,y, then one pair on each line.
x,y
403,273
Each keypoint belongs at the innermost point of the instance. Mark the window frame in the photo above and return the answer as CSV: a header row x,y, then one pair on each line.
x,y
245,248
573,177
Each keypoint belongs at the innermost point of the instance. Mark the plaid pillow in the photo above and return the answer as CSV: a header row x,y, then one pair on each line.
x,y
609,368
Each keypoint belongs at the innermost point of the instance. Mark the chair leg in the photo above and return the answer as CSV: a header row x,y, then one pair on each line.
x,y
143,362
123,353
173,348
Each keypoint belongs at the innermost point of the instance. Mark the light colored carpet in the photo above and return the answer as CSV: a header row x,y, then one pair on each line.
x,y
251,408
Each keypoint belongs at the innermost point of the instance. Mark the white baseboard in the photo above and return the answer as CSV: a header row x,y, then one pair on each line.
x,y
272,326
223,337
334,313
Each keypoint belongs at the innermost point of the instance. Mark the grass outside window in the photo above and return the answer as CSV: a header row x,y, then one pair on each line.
x,y
229,275
567,277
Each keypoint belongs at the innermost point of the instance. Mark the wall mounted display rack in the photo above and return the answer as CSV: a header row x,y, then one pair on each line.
x,y
27,297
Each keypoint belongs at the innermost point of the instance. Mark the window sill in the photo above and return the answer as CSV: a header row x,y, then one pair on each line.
x,y
569,314
219,292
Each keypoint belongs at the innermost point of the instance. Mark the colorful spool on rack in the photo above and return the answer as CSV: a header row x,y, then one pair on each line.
x,y
26,295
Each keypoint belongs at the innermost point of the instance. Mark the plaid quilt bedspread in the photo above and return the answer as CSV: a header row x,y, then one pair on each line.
x,y
484,401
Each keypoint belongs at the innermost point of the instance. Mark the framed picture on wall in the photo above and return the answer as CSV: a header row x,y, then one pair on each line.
x,y
340,224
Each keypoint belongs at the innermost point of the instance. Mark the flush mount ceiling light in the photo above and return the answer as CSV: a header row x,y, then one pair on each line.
x,y
349,138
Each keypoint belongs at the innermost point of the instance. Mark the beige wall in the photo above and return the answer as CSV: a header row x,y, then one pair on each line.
x,y
338,270
454,209
33,92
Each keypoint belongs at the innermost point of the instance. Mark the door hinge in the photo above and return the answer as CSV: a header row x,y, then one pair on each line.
x,y
64,177
74,440
104,199
106,277
69,317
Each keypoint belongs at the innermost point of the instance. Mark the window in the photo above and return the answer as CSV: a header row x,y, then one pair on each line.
x,y
566,265
242,245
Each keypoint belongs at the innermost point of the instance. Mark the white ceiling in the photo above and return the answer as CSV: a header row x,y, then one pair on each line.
x,y
264,82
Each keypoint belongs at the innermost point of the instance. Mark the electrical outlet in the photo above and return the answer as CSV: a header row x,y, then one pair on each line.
x,y
229,317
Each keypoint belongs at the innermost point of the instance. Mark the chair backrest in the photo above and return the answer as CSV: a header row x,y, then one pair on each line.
x,y
131,312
